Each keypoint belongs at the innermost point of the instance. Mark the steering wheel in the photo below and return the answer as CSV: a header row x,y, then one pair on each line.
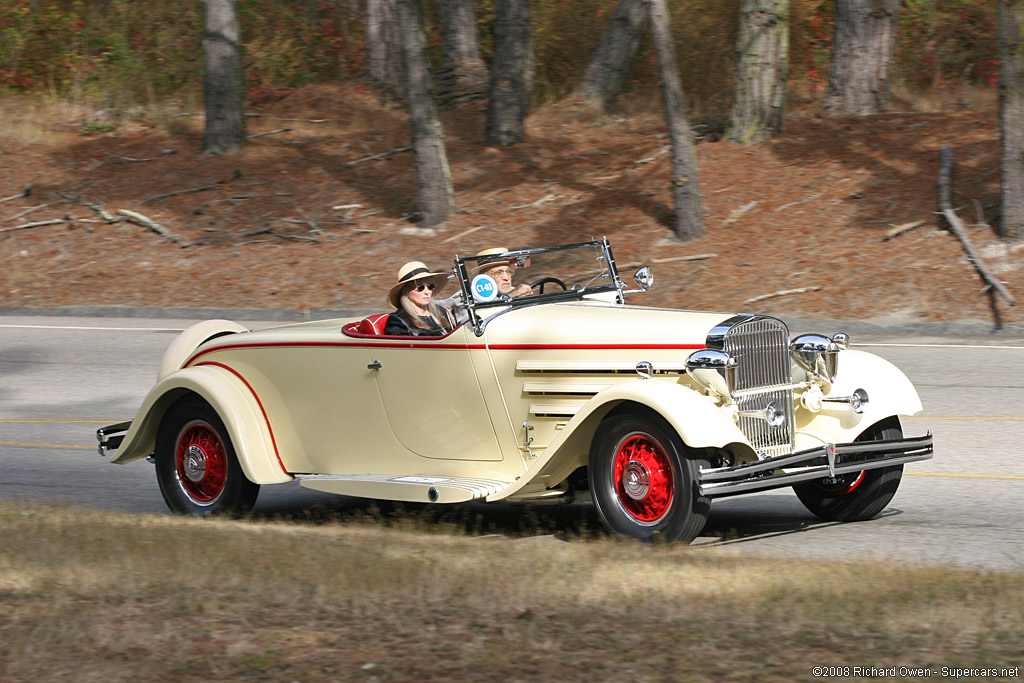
x,y
544,280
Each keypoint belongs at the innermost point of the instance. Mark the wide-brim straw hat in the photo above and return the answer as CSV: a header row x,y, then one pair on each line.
x,y
485,264
414,271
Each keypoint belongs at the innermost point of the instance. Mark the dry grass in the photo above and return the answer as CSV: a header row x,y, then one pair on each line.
x,y
104,596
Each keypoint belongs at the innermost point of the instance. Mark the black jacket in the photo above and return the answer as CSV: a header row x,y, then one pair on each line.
x,y
400,323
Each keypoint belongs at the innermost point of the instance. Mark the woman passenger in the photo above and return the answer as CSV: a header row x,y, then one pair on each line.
x,y
416,314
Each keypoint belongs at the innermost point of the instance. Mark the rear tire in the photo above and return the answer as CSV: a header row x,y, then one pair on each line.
x,y
644,480
196,465
857,496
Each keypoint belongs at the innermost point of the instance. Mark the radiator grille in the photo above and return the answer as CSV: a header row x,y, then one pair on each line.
x,y
761,347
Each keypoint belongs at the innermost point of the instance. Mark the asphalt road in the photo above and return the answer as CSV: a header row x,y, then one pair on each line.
x,y
61,378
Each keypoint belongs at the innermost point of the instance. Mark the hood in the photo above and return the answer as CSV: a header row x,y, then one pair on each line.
x,y
600,323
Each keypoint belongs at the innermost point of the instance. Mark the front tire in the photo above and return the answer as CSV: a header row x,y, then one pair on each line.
x,y
860,495
196,466
644,480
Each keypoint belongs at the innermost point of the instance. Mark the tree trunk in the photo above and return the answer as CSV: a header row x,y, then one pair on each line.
x,y
762,55
862,51
1011,116
689,219
463,74
511,74
224,130
433,178
384,48
604,77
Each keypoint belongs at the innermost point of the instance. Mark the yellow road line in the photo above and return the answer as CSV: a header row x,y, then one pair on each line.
x,y
941,417
44,445
973,476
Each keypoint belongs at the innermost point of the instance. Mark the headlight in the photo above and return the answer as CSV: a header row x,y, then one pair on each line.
x,y
714,370
817,354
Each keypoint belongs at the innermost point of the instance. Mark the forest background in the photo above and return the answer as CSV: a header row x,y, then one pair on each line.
x,y
113,74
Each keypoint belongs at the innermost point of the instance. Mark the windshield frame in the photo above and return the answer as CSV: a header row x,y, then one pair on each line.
x,y
482,312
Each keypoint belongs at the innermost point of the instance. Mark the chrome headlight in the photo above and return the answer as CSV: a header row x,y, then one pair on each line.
x,y
714,370
644,278
817,354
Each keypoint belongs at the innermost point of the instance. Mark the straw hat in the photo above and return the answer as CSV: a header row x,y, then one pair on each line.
x,y
486,264
414,271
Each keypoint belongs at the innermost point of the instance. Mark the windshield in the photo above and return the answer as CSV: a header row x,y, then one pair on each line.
x,y
532,276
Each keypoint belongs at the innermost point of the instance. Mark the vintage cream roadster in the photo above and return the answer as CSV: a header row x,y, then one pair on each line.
x,y
564,393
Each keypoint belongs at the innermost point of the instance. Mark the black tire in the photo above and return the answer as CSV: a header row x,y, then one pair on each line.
x,y
644,479
196,465
857,496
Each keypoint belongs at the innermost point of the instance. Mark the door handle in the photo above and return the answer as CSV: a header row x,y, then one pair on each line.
x,y
375,365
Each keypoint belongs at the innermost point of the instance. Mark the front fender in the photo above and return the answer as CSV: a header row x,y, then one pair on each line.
x,y
237,407
890,393
186,342
699,422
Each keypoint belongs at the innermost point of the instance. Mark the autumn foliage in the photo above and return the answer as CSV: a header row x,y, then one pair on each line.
x,y
119,52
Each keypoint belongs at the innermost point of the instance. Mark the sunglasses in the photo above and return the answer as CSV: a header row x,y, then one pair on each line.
x,y
429,285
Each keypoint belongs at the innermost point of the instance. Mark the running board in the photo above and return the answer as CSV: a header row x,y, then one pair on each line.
x,y
413,488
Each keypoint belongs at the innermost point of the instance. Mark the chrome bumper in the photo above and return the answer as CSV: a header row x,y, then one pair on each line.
x,y
111,436
825,461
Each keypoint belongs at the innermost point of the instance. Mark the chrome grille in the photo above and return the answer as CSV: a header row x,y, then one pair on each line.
x,y
761,348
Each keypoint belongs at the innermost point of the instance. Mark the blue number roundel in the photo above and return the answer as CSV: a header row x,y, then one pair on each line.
x,y
484,288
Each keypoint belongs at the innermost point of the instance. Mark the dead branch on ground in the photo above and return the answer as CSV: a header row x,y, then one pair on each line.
x,y
269,132
103,213
900,229
28,211
945,176
24,193
26,226
378,156
173,194
783,292
149,223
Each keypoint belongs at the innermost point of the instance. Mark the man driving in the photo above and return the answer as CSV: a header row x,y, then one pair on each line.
x,y
501,268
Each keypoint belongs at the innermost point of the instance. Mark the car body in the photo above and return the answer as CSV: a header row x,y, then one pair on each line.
x,y
560,394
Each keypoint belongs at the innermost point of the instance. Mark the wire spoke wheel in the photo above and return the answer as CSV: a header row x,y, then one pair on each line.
x,y
196,465
201,462
644,479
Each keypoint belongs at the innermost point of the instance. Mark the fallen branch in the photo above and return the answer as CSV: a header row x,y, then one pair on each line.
x,y
735,214
162,154
945,175
269,132
651,158
783,292
900,229
146,222
28,211
24,193
37,224
542,200
799,201
172,194
462,234
378,156
103,213
694,257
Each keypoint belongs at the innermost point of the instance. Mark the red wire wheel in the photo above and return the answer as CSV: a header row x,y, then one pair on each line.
x,y
196,466
201,462
643,478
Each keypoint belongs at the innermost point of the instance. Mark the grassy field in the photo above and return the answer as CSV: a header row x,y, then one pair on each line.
x,y
96,596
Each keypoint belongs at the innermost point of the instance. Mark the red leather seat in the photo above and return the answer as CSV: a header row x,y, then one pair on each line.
x,y
373,324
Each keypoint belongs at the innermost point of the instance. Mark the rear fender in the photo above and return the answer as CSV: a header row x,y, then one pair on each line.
x,y
185,343
237,407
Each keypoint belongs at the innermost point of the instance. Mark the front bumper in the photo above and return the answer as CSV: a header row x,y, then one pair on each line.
x,y
111,436
825,461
